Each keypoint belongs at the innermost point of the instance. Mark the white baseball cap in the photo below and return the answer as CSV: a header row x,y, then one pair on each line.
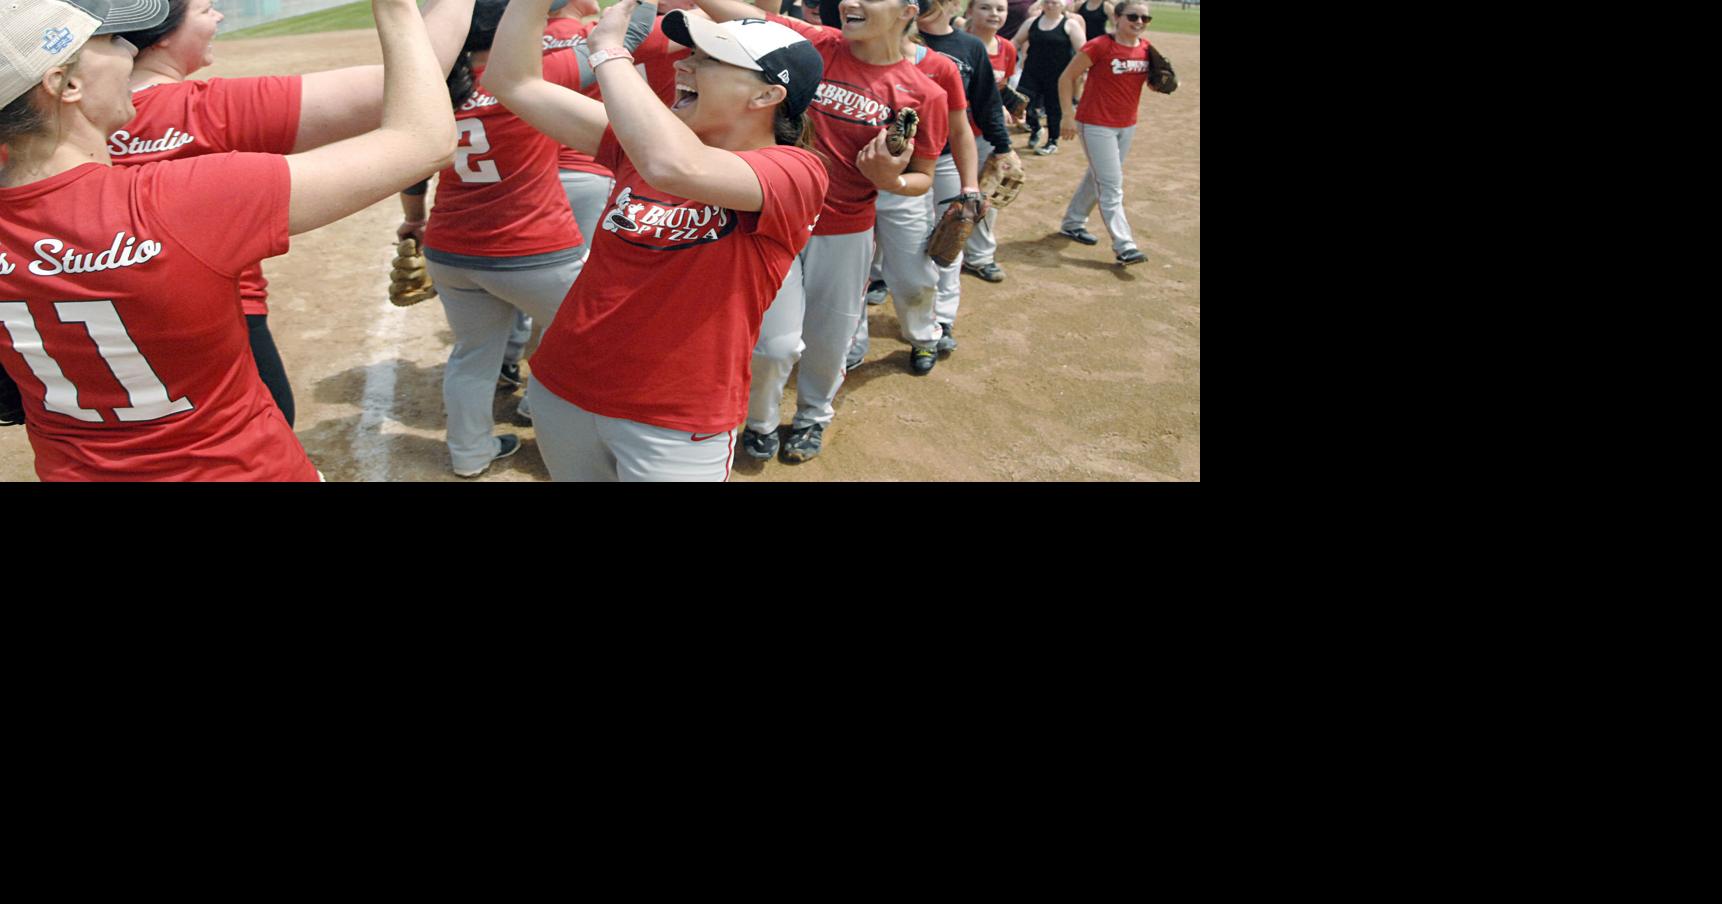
x,y
37,35
776,52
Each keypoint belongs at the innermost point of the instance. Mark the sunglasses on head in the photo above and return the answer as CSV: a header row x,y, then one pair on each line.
x,y
1136,17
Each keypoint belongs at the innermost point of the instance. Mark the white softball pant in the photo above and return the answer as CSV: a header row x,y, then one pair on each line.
x,y
1104,182
481,306
812,320
901,228
983,243
578,445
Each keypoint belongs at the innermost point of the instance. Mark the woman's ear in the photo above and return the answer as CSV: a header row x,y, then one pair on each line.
x,y
768,96
63,84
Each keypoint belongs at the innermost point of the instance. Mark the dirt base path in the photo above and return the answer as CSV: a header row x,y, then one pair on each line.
x,y
1071,369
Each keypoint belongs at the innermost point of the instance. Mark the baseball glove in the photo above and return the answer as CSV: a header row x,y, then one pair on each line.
x,y
1160,75
1015,101
11,402
999,185
954,227
901,131
409,282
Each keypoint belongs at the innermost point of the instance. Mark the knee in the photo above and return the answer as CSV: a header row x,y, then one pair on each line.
x,y
779,352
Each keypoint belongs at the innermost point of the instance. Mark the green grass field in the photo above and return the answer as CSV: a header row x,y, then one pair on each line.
x,y
1167,18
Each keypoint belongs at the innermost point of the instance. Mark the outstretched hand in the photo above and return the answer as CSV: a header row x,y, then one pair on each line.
x,y
612,27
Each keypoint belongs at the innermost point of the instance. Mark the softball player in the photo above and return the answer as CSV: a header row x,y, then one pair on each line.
x,y
1117,67
121,284
902,224
985,18
501,237
179,117
645,376
813,317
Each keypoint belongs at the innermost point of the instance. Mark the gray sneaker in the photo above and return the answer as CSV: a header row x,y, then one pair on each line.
x,y
761,446
947,342
804,443
507,444
876,292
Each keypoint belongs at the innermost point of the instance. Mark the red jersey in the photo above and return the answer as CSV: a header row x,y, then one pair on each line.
x,y
118,296
854,102
563,34
1114,87
660,326
501,196
191,118
1004,61
656,58
944,73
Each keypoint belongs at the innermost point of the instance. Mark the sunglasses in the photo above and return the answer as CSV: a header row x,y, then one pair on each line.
x,y
1136,17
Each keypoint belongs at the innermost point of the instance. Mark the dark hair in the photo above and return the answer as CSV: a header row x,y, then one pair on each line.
x,y
1118,7
143,38
794,131
486,16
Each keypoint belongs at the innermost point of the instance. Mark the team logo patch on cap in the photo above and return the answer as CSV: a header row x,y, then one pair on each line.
x,y
55,40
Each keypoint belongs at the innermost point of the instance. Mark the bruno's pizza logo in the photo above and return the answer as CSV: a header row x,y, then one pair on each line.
x,y
662,226
1120,67
851,103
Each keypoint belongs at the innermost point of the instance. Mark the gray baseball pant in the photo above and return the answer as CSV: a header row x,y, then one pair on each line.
x,y
983,243
946,186
902,226
578,445
812,319
481,305
1103,183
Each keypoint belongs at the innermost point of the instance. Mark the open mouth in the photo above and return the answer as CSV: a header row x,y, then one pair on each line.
x,y
685,97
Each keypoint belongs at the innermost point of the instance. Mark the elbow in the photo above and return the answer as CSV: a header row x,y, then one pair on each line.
x,y
670,172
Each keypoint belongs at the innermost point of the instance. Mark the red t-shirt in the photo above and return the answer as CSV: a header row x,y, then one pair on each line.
x,y
1114,87
944,73
660,326
656,57
1004,61
856,100
501,197
563,34
118,290
191,118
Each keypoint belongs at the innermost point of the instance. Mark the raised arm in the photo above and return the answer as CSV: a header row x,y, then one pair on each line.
x,y
725,10
416,139
1079,65
667,153
515,75
341,103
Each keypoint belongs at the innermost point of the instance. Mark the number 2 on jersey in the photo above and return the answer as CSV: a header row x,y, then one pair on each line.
x,y
149,398
473,142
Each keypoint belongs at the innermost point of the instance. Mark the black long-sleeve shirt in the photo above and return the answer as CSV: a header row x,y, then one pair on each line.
x,y
970,55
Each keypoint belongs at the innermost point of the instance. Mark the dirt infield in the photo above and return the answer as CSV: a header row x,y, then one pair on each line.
x,y
1071,369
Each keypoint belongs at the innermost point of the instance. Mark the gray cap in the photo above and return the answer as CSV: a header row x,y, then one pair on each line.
x,y
37,35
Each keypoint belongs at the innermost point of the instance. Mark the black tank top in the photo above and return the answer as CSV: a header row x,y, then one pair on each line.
x,y
1093,19
1049,49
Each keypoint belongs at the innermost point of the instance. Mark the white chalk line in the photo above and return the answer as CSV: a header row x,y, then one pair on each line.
x,y
385,330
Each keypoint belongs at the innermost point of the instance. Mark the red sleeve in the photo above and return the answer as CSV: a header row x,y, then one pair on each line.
x,y
1009,50
934,128
655,45
609,150
823,37
1094,49
793,182
194,199
259,114
956,97
562,67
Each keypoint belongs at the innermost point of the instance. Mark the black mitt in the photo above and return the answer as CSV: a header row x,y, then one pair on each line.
x,y
1160,75
1015,101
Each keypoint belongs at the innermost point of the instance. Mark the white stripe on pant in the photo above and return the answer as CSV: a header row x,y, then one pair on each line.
x,y
578,445
481,306
812,320
1103,183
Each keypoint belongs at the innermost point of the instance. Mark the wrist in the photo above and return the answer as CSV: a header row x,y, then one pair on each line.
x,y
605,54
408,221
971,189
